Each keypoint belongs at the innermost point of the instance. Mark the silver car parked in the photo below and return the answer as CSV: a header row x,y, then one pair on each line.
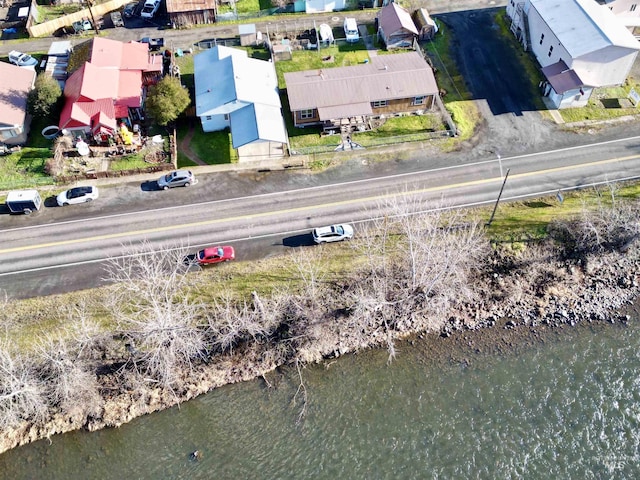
x,y
177,178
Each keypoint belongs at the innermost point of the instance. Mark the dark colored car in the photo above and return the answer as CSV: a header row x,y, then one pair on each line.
x,y
130,10
210,255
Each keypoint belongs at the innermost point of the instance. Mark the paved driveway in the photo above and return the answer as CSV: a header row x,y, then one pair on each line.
x,y
499,85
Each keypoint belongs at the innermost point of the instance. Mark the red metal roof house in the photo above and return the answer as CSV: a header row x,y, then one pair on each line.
x,y
101,92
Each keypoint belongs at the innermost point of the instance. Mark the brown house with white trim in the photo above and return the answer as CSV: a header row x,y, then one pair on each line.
x,y
389,85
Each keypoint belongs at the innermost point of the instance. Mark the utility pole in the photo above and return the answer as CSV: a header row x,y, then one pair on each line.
x,y
495,207
93,20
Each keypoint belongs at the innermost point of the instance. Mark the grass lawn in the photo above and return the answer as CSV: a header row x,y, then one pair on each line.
x,y
214,148
26,168
128,162
605,104
343,55
457,99
528,219
245,6
52,12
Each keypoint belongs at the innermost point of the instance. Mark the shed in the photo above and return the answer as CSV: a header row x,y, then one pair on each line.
x,y
427,27
395,27
247,34
281,51
191,12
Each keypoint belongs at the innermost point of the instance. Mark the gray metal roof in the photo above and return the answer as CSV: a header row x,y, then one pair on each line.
x,y
583,26
386,77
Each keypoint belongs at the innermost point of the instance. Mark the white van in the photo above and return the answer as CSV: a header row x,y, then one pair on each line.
x,y
351,30
24,201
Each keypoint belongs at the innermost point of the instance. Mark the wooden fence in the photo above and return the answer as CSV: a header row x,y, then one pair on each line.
x,y
48,28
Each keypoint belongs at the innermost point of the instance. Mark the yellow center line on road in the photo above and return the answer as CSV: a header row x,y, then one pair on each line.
x,y
311,207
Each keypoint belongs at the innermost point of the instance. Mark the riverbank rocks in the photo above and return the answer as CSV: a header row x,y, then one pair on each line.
x,y
514,296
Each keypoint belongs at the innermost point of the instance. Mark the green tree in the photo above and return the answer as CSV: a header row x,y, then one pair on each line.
x,y
43,97
167,99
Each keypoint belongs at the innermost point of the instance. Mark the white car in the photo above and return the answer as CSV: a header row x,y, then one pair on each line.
x,y
22,59
77,195
150,8
332,233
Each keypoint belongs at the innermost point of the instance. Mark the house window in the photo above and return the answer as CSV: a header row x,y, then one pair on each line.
x,y
632,8
306,114
550,50
379,103
208,117
541,38
226,117
419,100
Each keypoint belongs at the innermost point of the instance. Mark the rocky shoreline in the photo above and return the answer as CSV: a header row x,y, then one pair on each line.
x,y
513,306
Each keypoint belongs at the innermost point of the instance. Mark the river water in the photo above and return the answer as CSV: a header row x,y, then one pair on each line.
x,y
567,407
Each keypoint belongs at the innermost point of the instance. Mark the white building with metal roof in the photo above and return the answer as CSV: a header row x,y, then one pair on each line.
x,y
579,44
240,93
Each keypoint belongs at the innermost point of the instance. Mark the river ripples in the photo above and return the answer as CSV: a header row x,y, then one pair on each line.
x,y
566,408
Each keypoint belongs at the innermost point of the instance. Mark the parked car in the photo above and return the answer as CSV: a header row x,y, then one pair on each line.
x,y
177,178
155,44
22,59
150,8
332,233
351,30
77,195
130,10
116,19
83,25
211,255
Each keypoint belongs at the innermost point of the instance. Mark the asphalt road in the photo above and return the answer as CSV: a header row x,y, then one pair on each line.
x,y
64,249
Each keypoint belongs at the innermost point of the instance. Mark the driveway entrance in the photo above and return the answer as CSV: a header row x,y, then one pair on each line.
x,y
498,84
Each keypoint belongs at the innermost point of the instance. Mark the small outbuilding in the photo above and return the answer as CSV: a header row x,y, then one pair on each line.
x,y
395,27
247,34
184,13
427,26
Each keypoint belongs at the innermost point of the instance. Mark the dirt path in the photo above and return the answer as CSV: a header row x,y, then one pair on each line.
x,y
185,147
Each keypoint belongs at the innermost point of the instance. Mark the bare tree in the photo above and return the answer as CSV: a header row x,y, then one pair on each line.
x,y
22,394
7,319
311,300
611,225
70,383
157,315
420,257
232,321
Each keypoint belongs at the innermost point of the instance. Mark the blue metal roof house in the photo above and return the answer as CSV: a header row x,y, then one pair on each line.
x,y
237,92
